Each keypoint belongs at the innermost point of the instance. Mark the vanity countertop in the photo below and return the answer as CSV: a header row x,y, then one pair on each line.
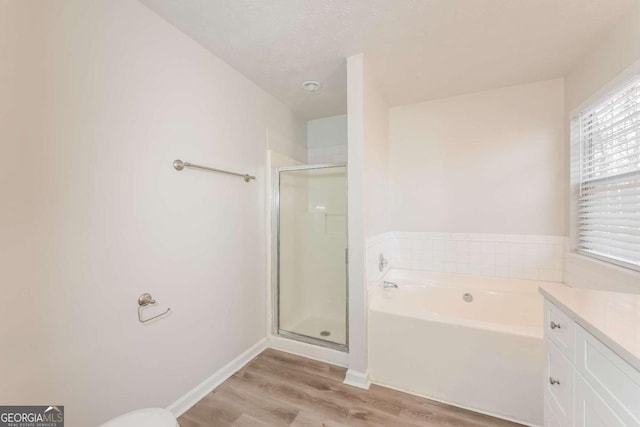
x,y
612,317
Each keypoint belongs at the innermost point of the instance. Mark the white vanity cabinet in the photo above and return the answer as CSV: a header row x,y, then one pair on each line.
x,y
586,383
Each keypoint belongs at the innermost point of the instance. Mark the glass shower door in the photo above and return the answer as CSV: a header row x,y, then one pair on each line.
x,y
312,242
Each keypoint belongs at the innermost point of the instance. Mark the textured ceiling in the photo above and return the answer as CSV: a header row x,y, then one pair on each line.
x,y
419,49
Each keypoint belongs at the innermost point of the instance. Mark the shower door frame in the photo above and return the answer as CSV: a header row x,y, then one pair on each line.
x,y
275,265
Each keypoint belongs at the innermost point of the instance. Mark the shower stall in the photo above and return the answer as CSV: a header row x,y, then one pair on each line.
x,y
310,263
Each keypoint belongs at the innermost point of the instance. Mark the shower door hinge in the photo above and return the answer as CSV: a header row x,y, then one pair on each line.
x,y
346,255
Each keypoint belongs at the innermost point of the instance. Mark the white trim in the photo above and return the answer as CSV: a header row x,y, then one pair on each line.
x,y
356,273
357,379
194,395
269,233
575,158
477,411
315,352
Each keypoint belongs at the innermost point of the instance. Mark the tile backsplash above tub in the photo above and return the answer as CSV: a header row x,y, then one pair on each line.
x,y
535,257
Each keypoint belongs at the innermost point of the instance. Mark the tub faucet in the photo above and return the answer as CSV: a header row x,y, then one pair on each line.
x,y
387,285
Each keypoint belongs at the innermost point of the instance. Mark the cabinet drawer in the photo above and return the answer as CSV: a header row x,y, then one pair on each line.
x,y
558,383
560,329
617,382
591,410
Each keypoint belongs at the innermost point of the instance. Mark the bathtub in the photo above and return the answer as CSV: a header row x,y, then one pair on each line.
x,y
485,355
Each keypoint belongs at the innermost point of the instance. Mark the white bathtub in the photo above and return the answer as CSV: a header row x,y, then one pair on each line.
x,y
485,355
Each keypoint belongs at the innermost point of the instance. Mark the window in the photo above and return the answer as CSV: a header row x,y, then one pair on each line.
x,y
607,137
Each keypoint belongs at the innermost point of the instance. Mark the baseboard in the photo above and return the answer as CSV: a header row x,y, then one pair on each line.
x,y
357,379
477,411
309,351
192,397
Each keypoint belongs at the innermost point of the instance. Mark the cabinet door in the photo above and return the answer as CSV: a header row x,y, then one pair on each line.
x,y
591,410
613,379
558,384
551,418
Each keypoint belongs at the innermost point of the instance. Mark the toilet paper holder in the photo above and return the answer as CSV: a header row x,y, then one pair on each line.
x,y
144,301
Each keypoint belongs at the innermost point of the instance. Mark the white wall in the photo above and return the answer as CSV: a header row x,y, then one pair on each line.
x,y
615,53
488,162
98,98
375,155
357,373
367,152
25,329
612,53
327,140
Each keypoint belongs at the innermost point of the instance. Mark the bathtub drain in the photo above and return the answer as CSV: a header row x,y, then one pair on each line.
x,y
467,297
325,333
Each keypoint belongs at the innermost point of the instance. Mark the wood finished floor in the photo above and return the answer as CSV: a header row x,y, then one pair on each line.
x,y
280,389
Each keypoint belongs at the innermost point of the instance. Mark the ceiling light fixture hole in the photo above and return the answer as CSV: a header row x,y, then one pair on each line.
x,y
311,86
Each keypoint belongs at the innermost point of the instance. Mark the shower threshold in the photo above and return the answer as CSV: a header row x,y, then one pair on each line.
x,y
312,340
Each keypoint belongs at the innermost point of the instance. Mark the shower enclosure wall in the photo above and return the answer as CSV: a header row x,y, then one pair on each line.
x,y
310,263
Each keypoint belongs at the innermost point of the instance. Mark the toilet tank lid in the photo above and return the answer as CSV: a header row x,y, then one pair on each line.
x,y
149,417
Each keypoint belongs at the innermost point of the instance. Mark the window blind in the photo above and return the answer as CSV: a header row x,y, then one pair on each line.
x,y
609,196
